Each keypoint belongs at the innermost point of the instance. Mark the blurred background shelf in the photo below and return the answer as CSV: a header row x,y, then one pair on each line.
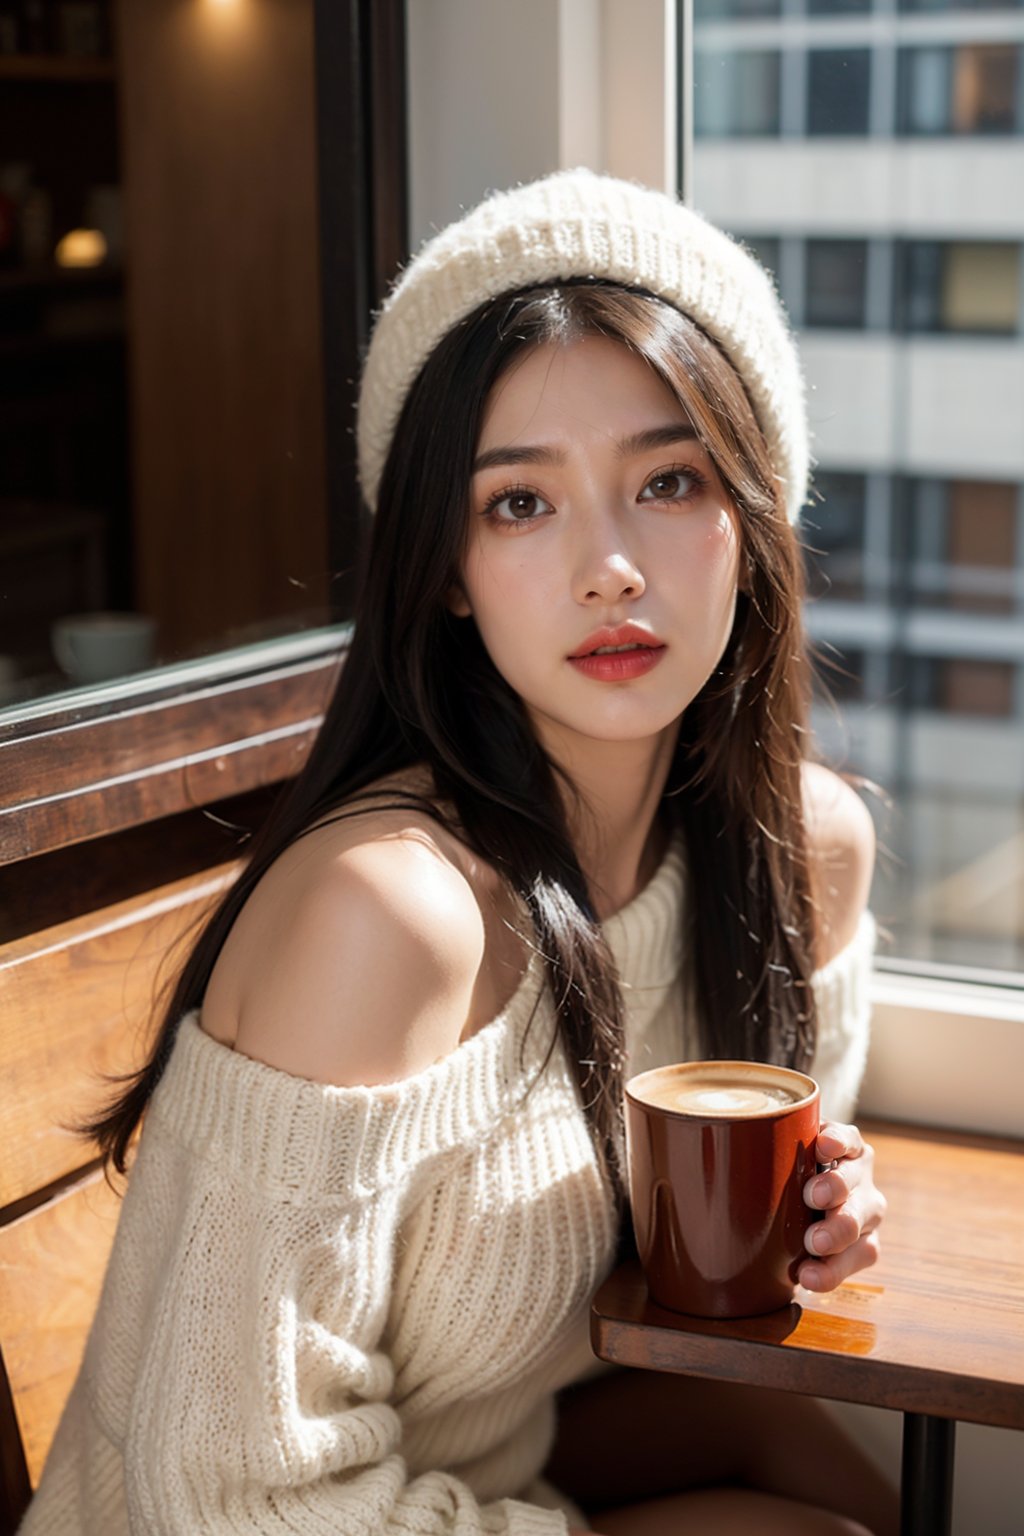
x,y
53,68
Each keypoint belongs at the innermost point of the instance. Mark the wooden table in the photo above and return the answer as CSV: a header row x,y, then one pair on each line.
x,y
936,1329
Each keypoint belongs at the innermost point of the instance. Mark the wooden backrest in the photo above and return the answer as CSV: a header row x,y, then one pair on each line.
x,y
77,1002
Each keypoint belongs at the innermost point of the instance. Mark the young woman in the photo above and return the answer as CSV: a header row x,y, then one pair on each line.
x,y
561,823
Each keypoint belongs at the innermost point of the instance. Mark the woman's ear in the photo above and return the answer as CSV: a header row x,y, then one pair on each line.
x,y
457,602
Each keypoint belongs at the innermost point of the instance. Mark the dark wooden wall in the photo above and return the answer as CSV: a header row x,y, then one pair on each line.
x,y
218,136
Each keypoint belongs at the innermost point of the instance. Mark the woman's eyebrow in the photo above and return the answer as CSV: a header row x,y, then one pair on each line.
x,y
625,448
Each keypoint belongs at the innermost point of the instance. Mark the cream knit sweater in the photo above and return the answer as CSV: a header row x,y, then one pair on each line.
x,y
346,1311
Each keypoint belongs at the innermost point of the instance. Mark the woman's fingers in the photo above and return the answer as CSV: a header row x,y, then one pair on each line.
x,y
856,1168
826,1274
845,1223
839,1141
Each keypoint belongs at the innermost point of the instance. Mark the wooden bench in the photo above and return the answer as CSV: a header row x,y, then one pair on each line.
x,y
108,855
78,1001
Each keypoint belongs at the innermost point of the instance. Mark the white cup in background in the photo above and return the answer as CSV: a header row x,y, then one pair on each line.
x,y
92,647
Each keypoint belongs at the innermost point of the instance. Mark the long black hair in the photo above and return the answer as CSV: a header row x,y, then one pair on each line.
x,y
418,688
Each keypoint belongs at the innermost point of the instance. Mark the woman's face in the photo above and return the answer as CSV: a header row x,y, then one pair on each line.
x,y
597,521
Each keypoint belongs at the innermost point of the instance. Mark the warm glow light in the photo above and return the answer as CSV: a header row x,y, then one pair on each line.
x,y
81,248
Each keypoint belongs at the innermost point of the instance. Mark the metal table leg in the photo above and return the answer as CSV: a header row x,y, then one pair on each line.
x,y
926,1486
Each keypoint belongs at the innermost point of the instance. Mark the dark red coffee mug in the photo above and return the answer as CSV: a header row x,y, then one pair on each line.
x,y
718,1155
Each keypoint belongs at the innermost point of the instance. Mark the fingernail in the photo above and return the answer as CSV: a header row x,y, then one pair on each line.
x,y
821,1193
820,1240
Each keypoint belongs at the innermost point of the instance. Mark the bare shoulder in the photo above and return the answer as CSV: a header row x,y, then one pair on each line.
x,y
841,844
356,957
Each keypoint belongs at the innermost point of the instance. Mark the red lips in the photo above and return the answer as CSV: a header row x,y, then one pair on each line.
x,y
618,666
623,634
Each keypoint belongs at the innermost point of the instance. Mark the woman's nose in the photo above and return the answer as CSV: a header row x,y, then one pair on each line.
x,y
607,573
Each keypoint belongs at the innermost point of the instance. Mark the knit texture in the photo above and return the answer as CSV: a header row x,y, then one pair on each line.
x,y
578,224
346,1311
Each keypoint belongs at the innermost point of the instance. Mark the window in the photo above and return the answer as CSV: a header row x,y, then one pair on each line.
x,y
833,534
735,93
838,86
960,5
839,675
970,286
837,7
966,545
969,89
963,686
711,10
836,283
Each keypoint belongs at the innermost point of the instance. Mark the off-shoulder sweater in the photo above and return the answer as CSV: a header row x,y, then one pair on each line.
x,y
347,1311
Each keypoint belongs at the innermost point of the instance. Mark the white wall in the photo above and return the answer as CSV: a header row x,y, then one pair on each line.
x,y
502,91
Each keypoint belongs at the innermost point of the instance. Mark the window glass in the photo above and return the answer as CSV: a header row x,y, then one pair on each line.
x,y
969,89
708,9
838,85
966,545
913,346
970,286
964,686
960,5
836,7
833,532
836,282
927,76
736,93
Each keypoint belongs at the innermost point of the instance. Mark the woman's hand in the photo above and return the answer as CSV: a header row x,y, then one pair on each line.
x,y
846,1238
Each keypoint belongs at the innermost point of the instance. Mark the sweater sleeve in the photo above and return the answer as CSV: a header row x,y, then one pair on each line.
x,y
842,994
256,1298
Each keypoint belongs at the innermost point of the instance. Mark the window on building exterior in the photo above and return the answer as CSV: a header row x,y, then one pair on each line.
x,y
953,685
837,7
838,86
966,545
836,291
960,285
840,675
712,9
960,5
973,88
736,94
833,531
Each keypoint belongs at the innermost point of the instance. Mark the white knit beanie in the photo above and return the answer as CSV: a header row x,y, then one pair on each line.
x,y
579,224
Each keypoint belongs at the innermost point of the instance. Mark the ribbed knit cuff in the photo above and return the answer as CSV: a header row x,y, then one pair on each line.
x,y
517,1519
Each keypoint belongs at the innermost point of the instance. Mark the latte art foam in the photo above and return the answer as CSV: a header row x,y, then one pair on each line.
x,y
720,1099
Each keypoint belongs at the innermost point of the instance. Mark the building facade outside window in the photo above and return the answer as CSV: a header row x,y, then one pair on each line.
x,y
886,209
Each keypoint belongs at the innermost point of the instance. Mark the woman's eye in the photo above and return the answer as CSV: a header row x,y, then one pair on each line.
x,y
671,485
517,507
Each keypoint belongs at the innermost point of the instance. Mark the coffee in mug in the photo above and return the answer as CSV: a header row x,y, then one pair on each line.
x,y
718,1154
